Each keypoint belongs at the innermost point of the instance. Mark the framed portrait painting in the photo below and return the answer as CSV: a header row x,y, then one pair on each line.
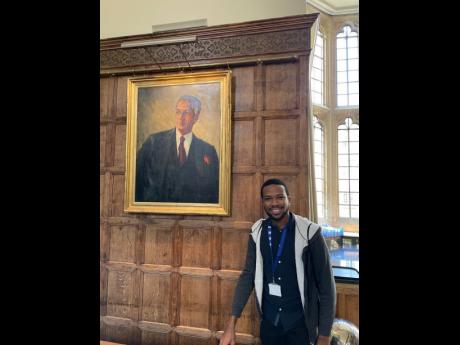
x,y
178,144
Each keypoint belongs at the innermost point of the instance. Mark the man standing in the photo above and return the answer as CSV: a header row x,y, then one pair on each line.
x,y
287,263
177,166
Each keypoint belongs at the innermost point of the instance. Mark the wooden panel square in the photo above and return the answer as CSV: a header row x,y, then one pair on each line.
x,y
104,237
122,243
195,299
352,311
103,96
245,322
347,306
291,182
106,97
243,88
243,191
196,247
103,276
119,293
120,146
102,143
158,245
102,328
122,96
154,338
188,340
281,86
102,204
281,142
119,334
118,195
244,143
234,246
156,297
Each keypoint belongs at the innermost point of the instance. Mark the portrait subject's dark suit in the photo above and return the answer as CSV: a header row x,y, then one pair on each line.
x,y
160,178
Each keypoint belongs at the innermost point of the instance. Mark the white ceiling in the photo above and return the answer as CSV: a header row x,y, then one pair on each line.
x,y
336,7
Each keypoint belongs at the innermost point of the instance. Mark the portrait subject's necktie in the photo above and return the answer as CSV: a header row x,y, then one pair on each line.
x,y
182,154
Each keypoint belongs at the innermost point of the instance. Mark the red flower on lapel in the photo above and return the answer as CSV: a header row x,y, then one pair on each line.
x,y
206,159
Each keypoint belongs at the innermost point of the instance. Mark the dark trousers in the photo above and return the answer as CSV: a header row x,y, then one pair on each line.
x,y
271,335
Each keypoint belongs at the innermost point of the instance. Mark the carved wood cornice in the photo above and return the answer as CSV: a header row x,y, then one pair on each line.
x,y
230,43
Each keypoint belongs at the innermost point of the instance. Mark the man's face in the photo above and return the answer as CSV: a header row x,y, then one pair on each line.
x,y
185,117
275,201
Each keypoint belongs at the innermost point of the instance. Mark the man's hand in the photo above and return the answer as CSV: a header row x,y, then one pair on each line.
x,y
323,340
228,338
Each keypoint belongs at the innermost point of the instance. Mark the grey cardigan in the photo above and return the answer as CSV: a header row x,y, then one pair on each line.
x,y
314,276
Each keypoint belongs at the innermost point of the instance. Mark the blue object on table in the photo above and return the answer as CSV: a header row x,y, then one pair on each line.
x,y
330,231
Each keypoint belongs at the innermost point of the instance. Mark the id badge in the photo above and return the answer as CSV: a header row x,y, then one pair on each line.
x,y
274,289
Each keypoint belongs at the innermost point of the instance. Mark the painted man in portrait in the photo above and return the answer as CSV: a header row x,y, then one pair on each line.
x,y
177,166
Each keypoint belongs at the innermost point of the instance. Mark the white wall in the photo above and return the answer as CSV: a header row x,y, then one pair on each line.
x,y
134,17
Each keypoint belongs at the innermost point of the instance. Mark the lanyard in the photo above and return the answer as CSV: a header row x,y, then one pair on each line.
x,y
280,248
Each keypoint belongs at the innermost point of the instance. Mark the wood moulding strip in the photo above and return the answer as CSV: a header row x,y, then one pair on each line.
x,y
226,30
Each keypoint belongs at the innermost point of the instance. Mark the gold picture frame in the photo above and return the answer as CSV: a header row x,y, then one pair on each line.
x,y
162,174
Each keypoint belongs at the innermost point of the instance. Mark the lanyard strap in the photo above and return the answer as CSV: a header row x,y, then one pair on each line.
x,y
280,247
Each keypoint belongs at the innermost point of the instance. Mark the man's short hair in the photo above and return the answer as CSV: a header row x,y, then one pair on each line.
x,y
273,181
194,102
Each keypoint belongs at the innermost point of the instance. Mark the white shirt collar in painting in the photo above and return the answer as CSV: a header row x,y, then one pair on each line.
x,y
188,141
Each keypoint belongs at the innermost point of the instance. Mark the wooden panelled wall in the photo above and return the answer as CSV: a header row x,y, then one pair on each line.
x,y
348,302
169,279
